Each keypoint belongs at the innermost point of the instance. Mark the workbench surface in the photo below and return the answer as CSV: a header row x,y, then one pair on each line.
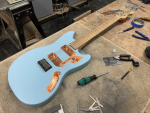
x,y
124,40
3,4
128,96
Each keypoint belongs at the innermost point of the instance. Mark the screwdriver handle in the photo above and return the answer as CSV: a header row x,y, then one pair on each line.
x,y
86,80
141,34
128,29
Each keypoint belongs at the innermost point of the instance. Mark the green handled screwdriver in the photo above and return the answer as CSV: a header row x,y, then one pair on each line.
x,y
89,79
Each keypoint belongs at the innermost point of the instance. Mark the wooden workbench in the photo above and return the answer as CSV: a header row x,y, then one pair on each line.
x,y
124,40
129,96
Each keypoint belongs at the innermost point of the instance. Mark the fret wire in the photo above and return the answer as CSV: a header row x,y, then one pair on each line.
x,y
81,39
93,33
84,39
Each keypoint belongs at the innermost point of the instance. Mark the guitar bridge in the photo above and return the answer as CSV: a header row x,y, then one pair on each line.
x,y
58,62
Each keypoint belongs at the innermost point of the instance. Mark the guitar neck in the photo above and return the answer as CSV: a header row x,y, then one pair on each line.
x,y
79,43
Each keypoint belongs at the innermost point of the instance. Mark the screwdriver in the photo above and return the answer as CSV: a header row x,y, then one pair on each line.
x,y
126,30
89,79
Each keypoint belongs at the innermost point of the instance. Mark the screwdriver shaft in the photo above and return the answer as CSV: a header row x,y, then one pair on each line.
x,y
102,74
127,30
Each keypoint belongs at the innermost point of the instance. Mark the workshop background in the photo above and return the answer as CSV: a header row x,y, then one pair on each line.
x,y
7,48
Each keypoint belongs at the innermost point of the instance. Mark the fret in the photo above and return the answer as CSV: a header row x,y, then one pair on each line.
x,y
77,44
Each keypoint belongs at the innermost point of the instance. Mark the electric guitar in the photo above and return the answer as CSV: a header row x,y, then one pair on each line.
x,y
36,76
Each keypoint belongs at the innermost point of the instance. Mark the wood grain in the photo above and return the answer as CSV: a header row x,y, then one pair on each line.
x,y
148,109
124,40
78,44
82,16
8,20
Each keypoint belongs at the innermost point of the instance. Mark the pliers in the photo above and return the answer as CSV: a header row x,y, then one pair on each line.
x,y
126,58
143,36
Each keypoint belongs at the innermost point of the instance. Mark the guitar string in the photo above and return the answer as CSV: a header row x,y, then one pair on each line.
x,y
61,54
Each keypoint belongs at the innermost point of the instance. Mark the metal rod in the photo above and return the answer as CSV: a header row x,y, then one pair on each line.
x,y
102,74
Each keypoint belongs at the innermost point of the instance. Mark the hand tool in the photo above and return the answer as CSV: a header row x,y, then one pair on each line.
x,y
129,1
127,30
127,58
125,74
91,108
100,110
145,18
143,36
110,61
138,6
89,79
138,23
96,101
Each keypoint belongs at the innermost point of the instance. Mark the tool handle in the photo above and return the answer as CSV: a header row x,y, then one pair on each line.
x,y
125,55
125,75
145,18
122,57
142,9
141,34
125,59
139,37
86,80
136,64
128,29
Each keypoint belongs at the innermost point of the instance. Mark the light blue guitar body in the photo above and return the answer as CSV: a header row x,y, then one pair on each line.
x,y
29,81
